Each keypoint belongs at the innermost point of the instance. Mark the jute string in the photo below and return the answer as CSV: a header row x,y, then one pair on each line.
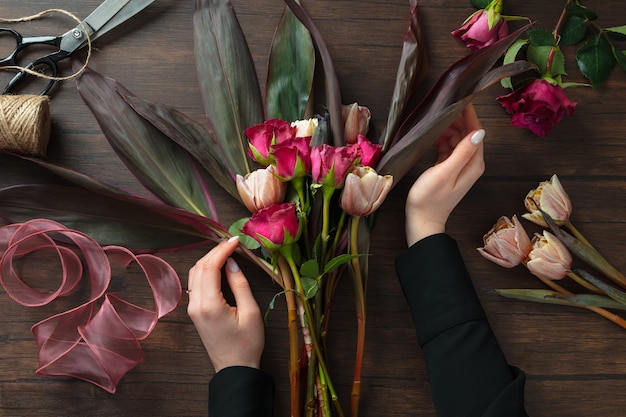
x,y
25,124
25,119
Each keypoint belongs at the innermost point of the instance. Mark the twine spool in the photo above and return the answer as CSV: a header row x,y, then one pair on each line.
x,y
24,124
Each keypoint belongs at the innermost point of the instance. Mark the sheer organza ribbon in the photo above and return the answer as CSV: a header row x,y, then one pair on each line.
x,y
98,345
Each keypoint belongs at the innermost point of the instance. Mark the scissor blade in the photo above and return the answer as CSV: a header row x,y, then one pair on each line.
x,y
103,14
130,9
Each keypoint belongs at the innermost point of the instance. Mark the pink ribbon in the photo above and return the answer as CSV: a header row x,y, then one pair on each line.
x,y
99,348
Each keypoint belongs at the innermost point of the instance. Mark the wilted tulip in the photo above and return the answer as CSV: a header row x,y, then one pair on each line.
x,y
261,137
356,121
330,164
274,226
304,128
364,191
549,258
507,243
550,197
292,157
261,188
370,152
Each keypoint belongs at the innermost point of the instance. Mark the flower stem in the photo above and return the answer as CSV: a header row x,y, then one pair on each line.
x,y
359,297
574,276
576,233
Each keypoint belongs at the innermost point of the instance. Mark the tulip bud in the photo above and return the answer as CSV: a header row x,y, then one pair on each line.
x,y
356,121
549,258
364,191
507,243
261,188
550,197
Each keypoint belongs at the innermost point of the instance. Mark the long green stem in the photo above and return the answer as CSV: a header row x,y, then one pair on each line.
x,y
359,297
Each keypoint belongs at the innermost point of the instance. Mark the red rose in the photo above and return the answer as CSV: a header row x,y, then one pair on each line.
x,y
262,136
274,226
330,164
538,106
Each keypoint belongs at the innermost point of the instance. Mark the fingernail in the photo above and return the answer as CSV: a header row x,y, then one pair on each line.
x,y
232,239
478,136
232,265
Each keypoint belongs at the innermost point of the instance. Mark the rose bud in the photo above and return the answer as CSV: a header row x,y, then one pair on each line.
x,y
356,121
538,106
261,188
330,165
370,152
550,197
364,191
549,258
292,158
274,226
261,137
476,31
507,243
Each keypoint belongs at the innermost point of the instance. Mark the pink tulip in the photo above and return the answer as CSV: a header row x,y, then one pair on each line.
x,y
364,191
330,165
507,243
292,157
262,136
274,226
550,197
549,257
476,32
370,152
538,106
261,188
356,121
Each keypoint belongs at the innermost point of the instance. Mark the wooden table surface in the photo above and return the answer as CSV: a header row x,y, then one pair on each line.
x,y
574,359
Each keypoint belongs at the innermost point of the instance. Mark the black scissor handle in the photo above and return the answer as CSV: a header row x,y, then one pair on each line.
x,y
48,61
10,58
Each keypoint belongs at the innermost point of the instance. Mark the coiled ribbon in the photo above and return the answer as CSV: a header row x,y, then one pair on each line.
x,y
99,348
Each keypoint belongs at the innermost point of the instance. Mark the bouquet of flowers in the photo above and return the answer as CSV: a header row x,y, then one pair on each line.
x,y
548,256
312,182
537,100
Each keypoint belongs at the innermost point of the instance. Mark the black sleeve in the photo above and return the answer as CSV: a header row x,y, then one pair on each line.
x,y
468,373
240,391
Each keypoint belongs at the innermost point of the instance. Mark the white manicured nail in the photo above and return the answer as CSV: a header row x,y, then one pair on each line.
x,y
478,136
232,239
232,265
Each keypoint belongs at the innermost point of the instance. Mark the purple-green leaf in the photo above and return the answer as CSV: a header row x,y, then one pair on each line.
x,y
444,102
290,72
227,77
162,166
109,218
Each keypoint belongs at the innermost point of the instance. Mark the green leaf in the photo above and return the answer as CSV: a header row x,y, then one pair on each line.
x,y
159,164
577,9
247,241
511,56
337,261
411,71
596,60
109,218
333,91
290,71
573,31
444,102
480,4
553,297
539,55
310,287
540,37
620,56
227,77
310,269
609,290
190,135
619,31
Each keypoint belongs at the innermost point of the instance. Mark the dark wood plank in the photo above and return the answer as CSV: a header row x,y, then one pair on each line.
x,y
573,358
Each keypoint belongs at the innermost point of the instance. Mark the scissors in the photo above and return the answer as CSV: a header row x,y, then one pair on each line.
x,y
107,16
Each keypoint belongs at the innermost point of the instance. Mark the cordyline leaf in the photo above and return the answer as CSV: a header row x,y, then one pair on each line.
x,y
612,292
333,94
411,71
191,136
159,164
110,219
228,82
290,71
445,101
553,297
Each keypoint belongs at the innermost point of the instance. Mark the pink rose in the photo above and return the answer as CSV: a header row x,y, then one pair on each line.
x,y
330,164
274,226
538,106
262,136
370,152
475,31
292,158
